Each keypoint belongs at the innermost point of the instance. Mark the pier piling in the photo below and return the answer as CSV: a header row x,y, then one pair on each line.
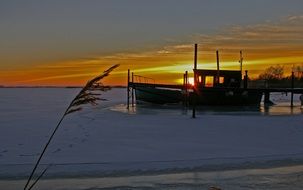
x,y
133,103
245,79
292,87
128,78
194,105
267,98
186,88
195,81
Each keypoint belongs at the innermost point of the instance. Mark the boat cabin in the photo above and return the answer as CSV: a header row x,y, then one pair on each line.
x,y
215,78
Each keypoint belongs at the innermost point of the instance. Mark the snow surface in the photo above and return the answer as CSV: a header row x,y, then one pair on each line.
x,y
109,140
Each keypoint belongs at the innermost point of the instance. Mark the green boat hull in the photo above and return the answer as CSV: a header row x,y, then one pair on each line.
x,y
157,95
209,96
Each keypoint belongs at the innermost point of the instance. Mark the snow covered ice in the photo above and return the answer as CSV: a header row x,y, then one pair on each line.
x,y
108,142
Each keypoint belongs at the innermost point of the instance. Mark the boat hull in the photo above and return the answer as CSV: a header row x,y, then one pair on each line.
x,y
204,96
230,97
157,95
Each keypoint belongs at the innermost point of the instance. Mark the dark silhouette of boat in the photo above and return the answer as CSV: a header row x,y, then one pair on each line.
x,y
211,87
206,91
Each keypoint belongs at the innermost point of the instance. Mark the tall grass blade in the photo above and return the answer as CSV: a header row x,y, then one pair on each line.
x,y
83,97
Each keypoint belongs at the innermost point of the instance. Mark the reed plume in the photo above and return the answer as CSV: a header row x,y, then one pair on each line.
x,y
85,96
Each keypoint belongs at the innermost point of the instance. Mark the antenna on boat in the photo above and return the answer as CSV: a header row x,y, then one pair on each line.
x,y
218,67
241,62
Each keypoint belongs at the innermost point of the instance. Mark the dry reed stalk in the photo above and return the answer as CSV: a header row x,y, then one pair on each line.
x,y
85,96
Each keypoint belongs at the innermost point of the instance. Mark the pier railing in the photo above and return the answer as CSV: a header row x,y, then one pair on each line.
x,y
143,80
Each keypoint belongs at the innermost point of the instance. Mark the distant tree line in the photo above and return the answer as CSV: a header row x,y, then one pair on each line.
x,y
272,73
275,76
277,73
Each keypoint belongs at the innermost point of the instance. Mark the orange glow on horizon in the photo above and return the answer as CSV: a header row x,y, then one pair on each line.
x,y
263,45
160,69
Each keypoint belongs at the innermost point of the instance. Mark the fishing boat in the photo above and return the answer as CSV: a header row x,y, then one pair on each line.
x,y
207,90
211,87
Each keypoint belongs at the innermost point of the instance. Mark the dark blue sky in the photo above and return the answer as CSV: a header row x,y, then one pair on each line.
x,y
35,32
113,25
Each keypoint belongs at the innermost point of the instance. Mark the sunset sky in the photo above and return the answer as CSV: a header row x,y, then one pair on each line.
x,y
66,42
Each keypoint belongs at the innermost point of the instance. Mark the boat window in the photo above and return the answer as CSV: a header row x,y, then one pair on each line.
x,y
221,80
209,81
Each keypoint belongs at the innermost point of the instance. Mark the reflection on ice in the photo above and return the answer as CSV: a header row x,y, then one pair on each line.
x,y
277,109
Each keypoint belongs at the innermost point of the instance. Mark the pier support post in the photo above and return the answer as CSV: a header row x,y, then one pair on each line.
x,y
195,96
128,86
292,87
133,90
267,98
194,104
245,79
195,81
186,88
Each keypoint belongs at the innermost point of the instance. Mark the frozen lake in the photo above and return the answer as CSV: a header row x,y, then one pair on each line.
x,y
149,147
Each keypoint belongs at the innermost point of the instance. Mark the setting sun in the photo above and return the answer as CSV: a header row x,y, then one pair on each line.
x,y
191,81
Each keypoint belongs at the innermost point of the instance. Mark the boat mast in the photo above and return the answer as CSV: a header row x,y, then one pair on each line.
x,y
218,68
196,56
241,63
195,62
